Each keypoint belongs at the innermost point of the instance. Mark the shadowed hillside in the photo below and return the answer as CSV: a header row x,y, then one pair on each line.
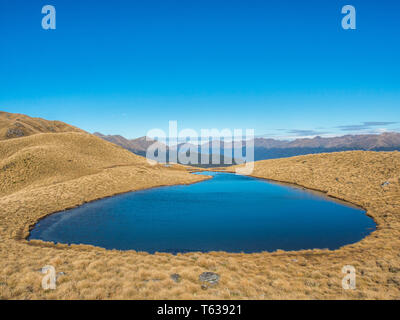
x,y
14,125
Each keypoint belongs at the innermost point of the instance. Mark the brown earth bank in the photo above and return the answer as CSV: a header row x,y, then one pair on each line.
x,y
46,173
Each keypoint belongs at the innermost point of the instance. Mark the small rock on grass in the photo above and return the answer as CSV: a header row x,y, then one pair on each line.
x,y
175,277
209,279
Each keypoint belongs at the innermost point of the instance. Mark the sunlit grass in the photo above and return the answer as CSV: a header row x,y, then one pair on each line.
x,y
40,180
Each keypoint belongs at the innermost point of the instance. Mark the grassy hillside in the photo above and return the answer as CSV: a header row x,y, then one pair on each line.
x,y
14,125
95,273
51,158
45,173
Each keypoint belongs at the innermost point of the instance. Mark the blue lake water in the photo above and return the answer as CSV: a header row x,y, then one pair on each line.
x,y
226,213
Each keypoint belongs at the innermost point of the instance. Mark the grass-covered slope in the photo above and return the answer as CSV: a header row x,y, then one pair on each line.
x,y
45,159
45,173
14,125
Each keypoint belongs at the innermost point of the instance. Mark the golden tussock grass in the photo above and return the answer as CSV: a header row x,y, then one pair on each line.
x,y
14,125
45,173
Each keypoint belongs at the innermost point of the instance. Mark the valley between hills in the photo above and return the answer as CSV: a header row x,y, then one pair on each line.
x,y
50,166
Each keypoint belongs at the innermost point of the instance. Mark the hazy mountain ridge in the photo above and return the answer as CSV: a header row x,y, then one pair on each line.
x,y
389,141
138,146
273,148
362,141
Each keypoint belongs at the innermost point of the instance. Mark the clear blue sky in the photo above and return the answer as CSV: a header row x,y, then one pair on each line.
x,y
284,68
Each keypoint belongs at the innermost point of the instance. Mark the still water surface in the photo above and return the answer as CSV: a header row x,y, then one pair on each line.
x,y
227,213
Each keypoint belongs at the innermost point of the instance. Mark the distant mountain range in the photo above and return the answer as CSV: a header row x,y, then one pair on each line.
x,y
272,148
19,125
139,146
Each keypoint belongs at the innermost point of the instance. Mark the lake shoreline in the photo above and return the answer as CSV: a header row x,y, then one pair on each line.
x,y
306,274
324,210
